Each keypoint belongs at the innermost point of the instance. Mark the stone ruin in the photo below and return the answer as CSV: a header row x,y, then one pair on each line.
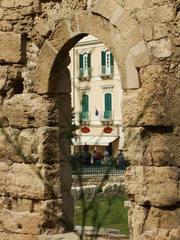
x,y
35,111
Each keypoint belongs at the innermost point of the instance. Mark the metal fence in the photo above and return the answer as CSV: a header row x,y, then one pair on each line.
x,y
98,170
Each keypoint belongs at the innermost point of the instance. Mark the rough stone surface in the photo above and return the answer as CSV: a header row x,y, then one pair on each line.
x,y
147,184
35,111
161,48
10,47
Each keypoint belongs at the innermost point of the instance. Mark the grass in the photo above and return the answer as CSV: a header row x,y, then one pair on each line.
x,y
106,213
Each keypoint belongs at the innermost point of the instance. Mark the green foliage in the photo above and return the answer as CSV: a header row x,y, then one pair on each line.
x,y
108,213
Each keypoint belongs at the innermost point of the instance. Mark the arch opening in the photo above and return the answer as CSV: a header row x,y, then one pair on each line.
x,y
103,121
56,81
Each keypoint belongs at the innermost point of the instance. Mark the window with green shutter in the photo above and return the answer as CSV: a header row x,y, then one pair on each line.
x,y
108,105
107,63
103,62
81,73
85,107
84,64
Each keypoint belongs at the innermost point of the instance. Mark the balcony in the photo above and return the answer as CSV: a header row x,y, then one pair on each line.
x,y
107,72
84,117
107,117
84,74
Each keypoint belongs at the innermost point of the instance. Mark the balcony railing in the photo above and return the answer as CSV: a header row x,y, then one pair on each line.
x,y
84,116
103,116
107,72
107,115
84,73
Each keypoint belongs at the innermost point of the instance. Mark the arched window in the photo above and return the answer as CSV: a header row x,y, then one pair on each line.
x,y
85,107
107,105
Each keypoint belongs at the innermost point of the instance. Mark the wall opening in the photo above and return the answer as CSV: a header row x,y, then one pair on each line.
x,y
86,74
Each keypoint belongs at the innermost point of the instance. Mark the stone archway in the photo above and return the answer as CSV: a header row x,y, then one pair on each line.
x,y
128,48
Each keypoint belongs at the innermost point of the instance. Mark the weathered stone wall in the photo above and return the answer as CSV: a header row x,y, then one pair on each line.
x,y
35,112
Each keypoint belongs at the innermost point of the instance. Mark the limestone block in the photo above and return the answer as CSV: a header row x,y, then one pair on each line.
x,y
43,27
106,8
1,15
19,222
7,3
15,236
23,3
174,234
60,79
37,6
145,111
166,13
147,15
28,142
50,174
150,105
132,5
134,145
5,26
19,204
146,185
137,215
160,30
47,57
148,31
52,147
27,10
162,221
152,148
30,180
161,48
162,150
175,110
9,145
29,110
129,30
23,180
3,76
10,47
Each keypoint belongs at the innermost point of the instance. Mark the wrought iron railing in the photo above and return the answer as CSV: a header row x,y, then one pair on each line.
x,y
107,115
84,73
84,116
98,170
107,71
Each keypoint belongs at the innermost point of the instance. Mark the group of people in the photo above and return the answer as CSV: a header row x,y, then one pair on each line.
x,y
85,158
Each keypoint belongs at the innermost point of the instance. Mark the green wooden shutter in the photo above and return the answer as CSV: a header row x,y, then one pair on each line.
x,y
85,103
108,102
103,58
81,71
80,61
89,60
108,106
112,59
103,62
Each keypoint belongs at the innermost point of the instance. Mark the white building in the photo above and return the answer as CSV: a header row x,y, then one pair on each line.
x,y
96,97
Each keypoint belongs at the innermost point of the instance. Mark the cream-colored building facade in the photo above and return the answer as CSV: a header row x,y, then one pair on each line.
x,y
96,97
